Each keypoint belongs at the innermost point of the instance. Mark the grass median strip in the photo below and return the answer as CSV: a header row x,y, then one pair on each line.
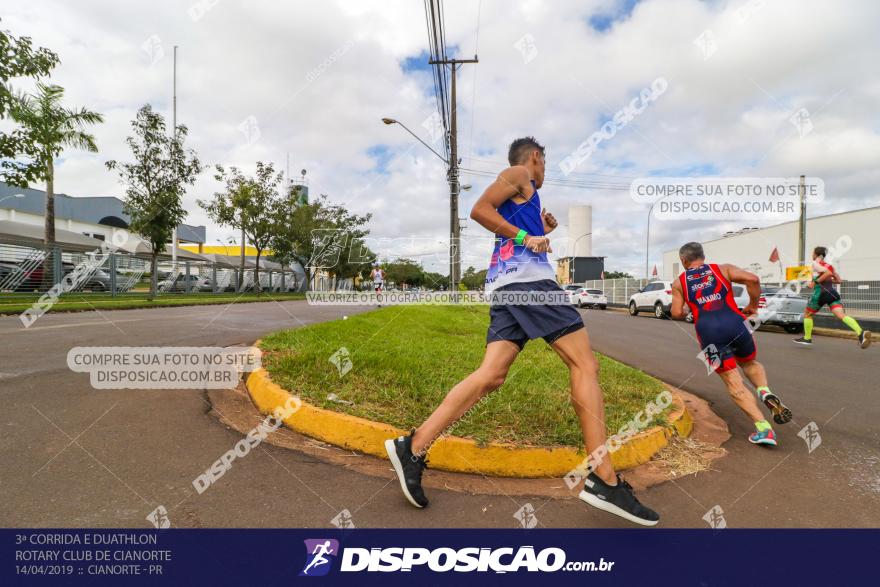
x,y
98,301
406,358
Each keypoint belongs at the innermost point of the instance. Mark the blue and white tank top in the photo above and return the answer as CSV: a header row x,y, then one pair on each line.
x,y
512,263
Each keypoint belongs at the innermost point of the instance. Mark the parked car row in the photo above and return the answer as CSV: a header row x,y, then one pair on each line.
x,y
197,283
26,279
185,282
776,306
21,277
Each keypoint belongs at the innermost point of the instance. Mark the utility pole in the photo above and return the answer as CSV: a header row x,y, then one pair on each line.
x,y
452,176
241,273
174,135
802,228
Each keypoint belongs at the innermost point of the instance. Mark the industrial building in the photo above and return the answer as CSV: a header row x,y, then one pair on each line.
x,y
579,265
95,217
752,248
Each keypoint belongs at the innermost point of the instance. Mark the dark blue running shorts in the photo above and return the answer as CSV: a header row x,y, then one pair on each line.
x,y
726,342
521,323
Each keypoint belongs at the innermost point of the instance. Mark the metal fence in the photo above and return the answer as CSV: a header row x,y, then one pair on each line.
x,y
27,269
618,291
861,298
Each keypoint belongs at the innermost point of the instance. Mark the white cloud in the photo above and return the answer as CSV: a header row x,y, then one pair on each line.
x,y
255,59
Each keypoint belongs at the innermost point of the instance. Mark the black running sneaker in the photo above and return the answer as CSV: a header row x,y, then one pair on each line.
x,y
803,341
781,414
865,339
408,467
617,499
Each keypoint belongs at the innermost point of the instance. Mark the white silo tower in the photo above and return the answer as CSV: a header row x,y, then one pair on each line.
x,y
580,229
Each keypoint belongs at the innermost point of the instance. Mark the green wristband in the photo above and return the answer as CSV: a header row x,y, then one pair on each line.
x,y
520,237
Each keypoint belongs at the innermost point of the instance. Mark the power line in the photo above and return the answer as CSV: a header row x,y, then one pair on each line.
x,y
474,82
584,184
437,52
573,173
491,173
447,106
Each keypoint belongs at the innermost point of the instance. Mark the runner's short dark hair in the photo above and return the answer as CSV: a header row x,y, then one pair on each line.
x,y
522,148
820,251
691,252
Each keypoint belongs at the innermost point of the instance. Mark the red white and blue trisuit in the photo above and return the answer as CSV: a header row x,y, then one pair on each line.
x,y
719,324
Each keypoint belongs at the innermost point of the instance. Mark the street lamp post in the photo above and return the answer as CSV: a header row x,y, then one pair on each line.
x,y
648,240
454,225
390,121
574,248
648,236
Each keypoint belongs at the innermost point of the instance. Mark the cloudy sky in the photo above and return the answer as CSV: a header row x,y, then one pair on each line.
x,y
260,79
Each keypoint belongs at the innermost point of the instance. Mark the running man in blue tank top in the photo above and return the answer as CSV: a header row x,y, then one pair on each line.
x,y
522,280
723,335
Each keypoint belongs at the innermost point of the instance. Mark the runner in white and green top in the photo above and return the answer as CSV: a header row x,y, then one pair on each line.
x,y
824,293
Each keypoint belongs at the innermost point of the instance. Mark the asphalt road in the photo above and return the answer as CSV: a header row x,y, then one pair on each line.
x,y
73,456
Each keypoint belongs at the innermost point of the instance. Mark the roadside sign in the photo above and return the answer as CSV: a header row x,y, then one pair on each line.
x,y
799,272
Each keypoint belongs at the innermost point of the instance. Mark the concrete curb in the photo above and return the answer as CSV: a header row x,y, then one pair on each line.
x,y
461,455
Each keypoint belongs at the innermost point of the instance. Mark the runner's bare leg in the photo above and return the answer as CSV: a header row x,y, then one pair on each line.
x,y
755,373
487,378
586,395
741,395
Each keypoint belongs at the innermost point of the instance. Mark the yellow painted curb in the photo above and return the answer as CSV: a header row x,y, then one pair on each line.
x,y
451,453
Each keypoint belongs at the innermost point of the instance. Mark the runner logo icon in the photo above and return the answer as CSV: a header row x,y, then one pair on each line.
x,y
320,554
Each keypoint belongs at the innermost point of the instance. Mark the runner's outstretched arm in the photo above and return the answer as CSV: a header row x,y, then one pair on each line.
x,y
511,182
748,279
678,304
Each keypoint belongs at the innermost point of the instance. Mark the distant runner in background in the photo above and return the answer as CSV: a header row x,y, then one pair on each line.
x,y
378,277
824,293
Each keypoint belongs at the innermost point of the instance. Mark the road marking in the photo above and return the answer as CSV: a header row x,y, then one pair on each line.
x,y
93,323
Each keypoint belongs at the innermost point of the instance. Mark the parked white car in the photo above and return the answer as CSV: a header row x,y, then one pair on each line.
x,y
655,297
591,298
572,291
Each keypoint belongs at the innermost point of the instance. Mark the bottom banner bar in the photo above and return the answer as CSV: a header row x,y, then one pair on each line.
x,y
436,557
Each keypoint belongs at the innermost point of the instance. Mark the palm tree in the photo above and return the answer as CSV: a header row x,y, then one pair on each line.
x,y
52,127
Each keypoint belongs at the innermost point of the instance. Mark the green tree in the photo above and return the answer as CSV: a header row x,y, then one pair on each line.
x,y
320,235
617,275
247,203
292,221
473,279
19,58
404,271
355,260
435,280
344,253
50,127
156,181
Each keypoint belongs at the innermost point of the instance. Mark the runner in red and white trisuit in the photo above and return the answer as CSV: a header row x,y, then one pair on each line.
x,y
723,335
